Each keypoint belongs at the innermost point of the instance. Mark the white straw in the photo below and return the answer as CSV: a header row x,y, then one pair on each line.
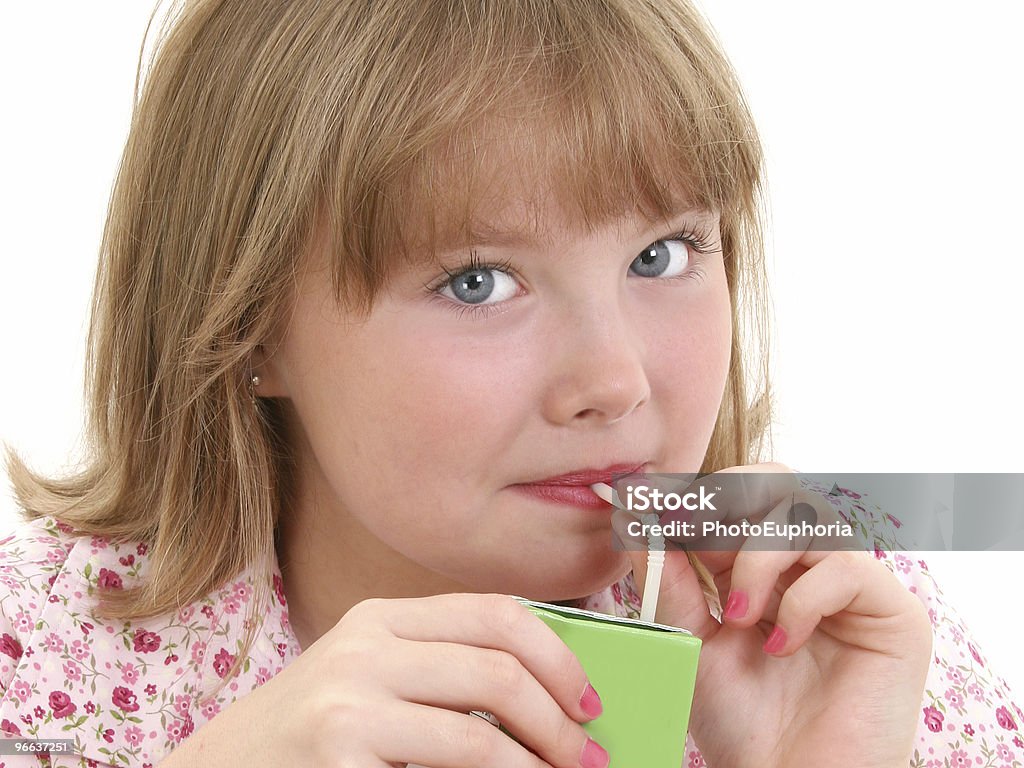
x,y
607,493
655,554
655,562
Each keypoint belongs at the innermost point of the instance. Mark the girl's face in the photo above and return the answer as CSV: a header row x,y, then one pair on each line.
x,y
415,426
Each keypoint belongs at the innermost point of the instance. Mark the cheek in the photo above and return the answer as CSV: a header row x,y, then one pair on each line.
x,y
689,369
443,403
400,421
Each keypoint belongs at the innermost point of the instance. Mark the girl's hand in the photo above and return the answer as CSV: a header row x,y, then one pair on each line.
x,y
839,683
393,682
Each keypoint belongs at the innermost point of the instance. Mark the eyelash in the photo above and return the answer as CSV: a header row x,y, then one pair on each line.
x,y
699,242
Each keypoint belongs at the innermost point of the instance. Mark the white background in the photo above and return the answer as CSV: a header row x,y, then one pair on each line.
x,y
893,138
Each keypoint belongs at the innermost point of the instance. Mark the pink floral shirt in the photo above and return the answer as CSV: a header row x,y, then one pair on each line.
x,y
128,692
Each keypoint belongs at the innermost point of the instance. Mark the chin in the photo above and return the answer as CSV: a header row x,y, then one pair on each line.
x,y
582,583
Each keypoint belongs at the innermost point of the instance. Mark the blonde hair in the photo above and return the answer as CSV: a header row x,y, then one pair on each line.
x,y
258,120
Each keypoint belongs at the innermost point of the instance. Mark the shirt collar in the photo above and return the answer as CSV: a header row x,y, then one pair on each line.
x,y
128,691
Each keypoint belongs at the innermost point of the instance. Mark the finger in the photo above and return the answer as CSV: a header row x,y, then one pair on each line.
x,y
747,492
493,621
406,732
763,560
750,491
483,678
854,582
681,602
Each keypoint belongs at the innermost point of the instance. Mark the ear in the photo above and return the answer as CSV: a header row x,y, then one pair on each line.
x,y
267,369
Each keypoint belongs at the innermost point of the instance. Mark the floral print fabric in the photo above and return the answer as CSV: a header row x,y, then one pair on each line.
x,y
128,692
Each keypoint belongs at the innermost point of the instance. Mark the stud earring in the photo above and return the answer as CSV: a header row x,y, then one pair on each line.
x,y
254,381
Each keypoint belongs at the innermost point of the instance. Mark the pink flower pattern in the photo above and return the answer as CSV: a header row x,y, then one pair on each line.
x,y
128,692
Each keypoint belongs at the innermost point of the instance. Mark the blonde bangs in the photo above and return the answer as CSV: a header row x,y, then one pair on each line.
x,y
622,108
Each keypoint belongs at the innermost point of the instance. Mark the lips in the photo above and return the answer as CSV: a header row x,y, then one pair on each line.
x,y
587,477
573,488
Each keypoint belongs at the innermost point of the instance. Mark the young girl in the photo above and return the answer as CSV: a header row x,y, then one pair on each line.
x,y
379,281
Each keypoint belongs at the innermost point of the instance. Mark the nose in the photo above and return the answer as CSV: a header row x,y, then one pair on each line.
x,y
598,374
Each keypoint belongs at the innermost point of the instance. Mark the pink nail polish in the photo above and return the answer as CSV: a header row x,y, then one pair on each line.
x,y
736,605
775,640
590,702
593,755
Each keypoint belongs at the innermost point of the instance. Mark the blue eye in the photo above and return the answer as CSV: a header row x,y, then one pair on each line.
x,y
662,259
477,283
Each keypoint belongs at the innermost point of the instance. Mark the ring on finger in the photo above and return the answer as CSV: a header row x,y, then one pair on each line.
x,y
484,715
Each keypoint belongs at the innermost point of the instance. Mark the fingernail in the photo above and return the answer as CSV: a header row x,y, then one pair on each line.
x,y
593,755
736,605
775,640
590,702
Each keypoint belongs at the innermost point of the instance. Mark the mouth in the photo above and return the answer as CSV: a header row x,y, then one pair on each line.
x,y
573,488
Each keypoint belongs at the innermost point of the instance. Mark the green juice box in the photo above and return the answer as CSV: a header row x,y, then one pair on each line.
x,y
644,673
